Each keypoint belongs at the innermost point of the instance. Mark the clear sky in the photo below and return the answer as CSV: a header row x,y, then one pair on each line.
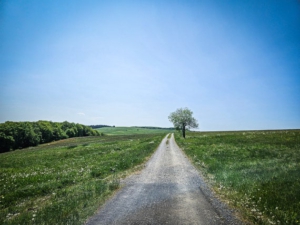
x,y
235,64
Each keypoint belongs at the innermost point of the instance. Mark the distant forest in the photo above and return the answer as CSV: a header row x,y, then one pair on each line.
x,y
99,126
163,128
16,135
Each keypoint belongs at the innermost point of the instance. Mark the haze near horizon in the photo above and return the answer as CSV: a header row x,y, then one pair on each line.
x,y
235,64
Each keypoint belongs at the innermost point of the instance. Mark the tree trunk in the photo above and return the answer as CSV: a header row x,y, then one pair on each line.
x,y
183,130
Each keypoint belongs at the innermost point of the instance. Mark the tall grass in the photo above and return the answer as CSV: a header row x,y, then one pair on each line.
x,y
65,182
256,172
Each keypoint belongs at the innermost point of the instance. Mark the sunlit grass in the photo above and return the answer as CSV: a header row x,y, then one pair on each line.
x,y
258,172
65,182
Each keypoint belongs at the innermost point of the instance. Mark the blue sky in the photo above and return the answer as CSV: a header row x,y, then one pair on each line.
x,y
235,64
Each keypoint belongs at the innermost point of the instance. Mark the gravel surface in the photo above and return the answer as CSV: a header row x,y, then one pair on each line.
x,y
168,191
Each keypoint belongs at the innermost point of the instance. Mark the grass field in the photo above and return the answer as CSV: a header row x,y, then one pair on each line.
x,y
131,130
64,182
257,172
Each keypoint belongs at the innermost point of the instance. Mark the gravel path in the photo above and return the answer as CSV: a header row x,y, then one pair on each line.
x,y
168,191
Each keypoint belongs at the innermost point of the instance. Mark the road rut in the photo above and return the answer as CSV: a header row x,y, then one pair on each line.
x,y
168,190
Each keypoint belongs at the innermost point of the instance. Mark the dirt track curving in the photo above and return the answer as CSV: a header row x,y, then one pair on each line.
x,y
168,191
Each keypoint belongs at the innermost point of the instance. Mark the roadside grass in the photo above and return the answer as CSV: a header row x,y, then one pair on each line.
x,y
130,130
257,172
65,182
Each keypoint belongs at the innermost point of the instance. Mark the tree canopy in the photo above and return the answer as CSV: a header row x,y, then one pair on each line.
x,y
183,119
15,135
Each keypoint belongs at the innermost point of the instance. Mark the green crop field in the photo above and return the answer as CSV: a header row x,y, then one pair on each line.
x,y
131,130
257,172
64,182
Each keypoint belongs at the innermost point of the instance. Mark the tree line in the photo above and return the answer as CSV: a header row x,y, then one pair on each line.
x,y
99,126
161,128
16,135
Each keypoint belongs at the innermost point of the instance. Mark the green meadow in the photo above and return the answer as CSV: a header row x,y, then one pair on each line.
x,y
132,130
64,182
256,172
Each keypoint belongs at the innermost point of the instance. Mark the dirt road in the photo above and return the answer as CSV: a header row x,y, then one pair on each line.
x,y
168,191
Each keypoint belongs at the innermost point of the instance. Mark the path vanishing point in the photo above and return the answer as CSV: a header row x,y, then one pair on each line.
x,y
169,190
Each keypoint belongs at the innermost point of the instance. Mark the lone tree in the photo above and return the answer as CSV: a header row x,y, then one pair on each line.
x,y
182,119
